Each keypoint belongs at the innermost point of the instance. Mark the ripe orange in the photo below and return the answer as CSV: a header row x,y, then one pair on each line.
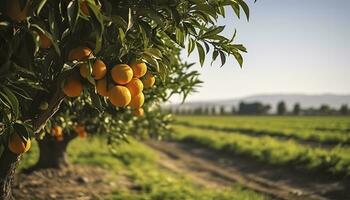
x,y
99,69
57,131
138,112
139,68
148,80
80,130
45,42
79,53
122,74
17,145
13,10
72,87
119,96
135,86
84,70
137,101
101,87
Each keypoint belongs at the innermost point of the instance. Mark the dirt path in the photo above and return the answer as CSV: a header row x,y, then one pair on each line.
x,y
215,169
78,182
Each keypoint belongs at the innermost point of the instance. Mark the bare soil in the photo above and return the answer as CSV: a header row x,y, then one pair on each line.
x,y
77,182
216,169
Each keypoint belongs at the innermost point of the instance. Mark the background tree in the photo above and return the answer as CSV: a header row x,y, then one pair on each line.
x,y
206,110
281,108
255,108
213,110
233,110
325,109
296,109
222,110
49,50
344,110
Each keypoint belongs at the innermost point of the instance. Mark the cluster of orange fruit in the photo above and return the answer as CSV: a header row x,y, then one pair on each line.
x,y
57,131
128,80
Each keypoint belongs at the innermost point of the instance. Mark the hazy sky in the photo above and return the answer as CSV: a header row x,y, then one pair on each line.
x,y
294,46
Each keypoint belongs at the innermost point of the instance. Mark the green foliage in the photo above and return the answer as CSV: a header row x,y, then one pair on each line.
x,y
118,32
269,149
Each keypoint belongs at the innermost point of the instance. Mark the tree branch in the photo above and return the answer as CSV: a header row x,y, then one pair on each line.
x,y
54,104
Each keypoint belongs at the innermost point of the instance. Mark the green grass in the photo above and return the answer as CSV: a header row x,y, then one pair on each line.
x,y
333,130
270,150
139,163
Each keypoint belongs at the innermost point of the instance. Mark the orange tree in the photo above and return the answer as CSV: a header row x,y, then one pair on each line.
x,y
90,51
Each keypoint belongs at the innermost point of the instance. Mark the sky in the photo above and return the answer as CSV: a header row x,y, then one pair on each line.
x,y
294,46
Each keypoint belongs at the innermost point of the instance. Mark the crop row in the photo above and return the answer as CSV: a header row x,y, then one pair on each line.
x,y
271,150
300,130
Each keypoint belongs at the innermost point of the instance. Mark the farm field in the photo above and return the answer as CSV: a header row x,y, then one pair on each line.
x,y
131,173
270,146
318,130
223,133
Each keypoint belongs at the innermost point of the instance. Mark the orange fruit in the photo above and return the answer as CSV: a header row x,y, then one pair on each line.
x,y
80,130
13,10
119,96
44,41
101,87
122,74
137,101
60,138
139,68
138,112
57,131
17,145
79,53
72,87
148,80
84,70
135,86
99,69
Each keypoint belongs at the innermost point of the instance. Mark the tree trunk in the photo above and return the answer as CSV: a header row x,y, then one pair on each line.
x,y
8,164
52,153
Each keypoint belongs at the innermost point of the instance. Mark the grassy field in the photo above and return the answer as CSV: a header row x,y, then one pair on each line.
x,y
329,130
231,134
139,163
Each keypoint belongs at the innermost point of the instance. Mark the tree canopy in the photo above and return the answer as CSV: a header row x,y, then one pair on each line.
x,y
37,38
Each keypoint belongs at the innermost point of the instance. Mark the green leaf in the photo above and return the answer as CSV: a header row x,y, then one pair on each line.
x,y
223,58
39,6
200,53
12,100
97,23
152,61
235,8
239,58
130,20
214,56
73,13
213,32
96,101
191,46
245,8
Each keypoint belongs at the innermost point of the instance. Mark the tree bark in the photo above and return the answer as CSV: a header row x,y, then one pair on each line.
x,y
8,164
53,153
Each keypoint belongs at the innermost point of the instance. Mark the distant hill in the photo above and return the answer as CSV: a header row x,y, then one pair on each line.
x,y
305,101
